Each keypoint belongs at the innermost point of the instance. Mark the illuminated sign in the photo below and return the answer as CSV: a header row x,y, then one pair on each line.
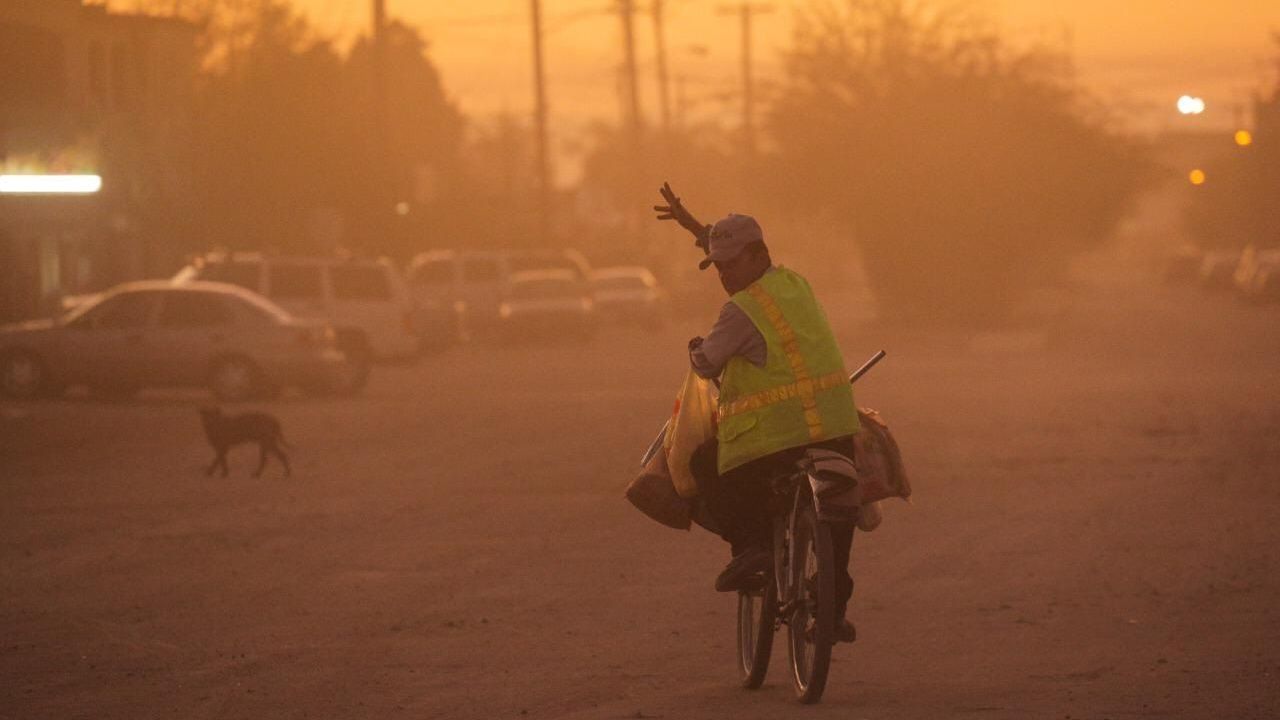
x,y
50,184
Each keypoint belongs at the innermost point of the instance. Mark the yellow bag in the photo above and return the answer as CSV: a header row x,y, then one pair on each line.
x,y
692,424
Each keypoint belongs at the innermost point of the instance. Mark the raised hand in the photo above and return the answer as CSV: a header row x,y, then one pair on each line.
x,y
675,210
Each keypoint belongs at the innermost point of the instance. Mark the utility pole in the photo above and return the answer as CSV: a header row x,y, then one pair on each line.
x,y
745,11
542,160
631,99
682,102
382,125
380,61
664,85
631,84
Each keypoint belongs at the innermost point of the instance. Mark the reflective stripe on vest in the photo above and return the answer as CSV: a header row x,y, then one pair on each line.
x,y
803,386
802,389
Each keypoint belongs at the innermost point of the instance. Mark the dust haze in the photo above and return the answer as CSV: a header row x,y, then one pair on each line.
x,y
470,326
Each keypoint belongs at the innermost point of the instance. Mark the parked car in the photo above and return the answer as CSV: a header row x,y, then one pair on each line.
x,y
471,284
1183,265
1217,269
1252,260
1266,284
629,294
153,333
365,300
548,304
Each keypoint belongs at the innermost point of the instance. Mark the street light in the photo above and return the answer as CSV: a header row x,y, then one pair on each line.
x,y
1188,105
1244,138
1197,177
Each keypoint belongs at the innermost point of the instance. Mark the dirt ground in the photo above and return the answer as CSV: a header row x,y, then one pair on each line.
x,y
1094,535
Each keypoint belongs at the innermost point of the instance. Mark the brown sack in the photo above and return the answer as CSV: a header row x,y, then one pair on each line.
x,y
880,471
654,494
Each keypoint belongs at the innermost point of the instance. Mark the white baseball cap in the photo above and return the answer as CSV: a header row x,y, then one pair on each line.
x,y
729,236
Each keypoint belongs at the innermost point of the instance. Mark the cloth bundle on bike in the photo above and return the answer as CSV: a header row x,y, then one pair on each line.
x,y
881,473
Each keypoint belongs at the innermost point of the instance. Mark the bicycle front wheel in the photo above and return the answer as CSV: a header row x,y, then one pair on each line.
x,y
811,604
757,613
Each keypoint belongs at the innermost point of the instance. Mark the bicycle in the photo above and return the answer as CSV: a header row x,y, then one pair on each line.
x,y
799,593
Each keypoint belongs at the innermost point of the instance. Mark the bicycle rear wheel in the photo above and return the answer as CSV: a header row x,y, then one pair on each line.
x,y
757,613
811,597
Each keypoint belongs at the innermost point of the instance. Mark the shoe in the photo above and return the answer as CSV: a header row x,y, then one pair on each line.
x,y
737,574
844,631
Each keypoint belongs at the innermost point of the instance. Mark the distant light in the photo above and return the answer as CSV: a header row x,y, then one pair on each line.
x,y
1188,105
50,184
402,208
1197,177
1244,138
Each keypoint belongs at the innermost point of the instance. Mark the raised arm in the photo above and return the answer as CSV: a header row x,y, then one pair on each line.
x,y
675,210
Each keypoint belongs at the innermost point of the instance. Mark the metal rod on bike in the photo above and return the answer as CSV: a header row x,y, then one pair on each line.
x,y
656,445
865,367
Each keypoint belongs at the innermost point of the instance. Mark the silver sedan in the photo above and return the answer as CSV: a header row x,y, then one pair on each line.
x,y
152,333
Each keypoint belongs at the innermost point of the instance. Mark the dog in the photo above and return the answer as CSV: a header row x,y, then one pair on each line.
x,y
227,431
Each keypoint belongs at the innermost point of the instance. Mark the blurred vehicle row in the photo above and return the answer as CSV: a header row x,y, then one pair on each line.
x,y
506,295
248,324
1253,273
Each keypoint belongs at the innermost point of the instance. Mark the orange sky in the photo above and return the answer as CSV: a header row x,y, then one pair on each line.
x,y
1138,55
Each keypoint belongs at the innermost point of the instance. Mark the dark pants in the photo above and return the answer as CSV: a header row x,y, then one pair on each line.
x,y
738,503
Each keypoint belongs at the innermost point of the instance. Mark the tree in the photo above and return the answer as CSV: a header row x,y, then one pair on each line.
x,y
291,132
405,155
271,142
966,171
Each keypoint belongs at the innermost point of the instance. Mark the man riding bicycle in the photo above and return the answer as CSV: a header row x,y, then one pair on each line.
x,y
784,393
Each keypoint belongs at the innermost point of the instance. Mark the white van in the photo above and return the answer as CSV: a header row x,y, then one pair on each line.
x,y
365,300
472,284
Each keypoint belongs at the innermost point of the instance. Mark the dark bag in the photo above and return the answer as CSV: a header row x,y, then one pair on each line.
x,y
654,494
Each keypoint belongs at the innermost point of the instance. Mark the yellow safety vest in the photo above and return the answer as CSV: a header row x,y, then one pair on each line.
x,y
802,394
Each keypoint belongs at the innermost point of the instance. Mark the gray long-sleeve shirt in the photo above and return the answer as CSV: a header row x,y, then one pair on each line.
x,y
733,334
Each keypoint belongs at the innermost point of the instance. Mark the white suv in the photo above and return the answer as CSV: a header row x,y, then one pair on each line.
x,y
366,301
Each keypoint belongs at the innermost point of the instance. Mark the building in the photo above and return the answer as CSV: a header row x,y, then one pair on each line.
x,y
88,91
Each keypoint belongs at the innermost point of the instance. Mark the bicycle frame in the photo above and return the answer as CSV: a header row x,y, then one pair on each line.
x,y
792,487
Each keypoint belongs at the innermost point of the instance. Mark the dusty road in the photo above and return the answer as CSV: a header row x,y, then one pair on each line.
x,y
1095,535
